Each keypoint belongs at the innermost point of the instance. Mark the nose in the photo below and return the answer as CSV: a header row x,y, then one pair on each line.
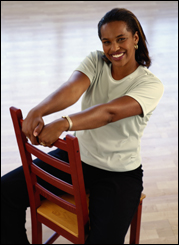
x,y
114,47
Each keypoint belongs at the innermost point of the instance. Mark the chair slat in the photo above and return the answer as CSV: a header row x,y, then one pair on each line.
x,y
59,164
62,185
61,144
56,199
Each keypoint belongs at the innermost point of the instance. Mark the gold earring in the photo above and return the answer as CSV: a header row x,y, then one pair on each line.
x,y
136,46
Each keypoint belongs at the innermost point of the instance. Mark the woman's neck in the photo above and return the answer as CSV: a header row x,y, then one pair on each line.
x,y
119,73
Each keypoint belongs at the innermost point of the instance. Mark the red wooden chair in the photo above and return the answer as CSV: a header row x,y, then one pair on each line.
x,y
66,214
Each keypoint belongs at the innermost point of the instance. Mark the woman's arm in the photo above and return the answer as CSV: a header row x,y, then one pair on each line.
x,y
65,96
94,117
62,98
103,114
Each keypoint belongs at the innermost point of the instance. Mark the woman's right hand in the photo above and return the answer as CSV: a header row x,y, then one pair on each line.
x,y
32,126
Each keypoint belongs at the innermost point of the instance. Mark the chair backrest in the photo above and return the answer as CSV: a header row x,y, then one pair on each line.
x,y
31,171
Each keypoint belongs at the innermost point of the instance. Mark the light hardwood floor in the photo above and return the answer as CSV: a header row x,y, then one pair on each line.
x,y
42,42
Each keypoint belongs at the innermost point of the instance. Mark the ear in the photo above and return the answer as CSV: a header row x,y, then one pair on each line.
x,y
136,37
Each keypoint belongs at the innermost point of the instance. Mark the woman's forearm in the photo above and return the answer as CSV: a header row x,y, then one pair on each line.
x,y
102,114
62,98
91,118
58,100
65,96
94,117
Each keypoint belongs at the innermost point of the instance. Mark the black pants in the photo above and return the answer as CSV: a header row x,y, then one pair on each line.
x,y
114,198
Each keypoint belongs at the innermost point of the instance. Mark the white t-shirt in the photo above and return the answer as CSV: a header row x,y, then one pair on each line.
x,y
116,146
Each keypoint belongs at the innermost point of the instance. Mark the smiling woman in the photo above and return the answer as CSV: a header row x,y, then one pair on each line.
x,y
133,26
120,52
118,99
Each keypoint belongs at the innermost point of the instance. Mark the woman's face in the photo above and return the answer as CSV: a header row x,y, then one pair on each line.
x,y
118,43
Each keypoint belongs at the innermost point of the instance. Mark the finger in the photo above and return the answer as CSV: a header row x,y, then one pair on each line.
x,y
34,140
44,143
38,129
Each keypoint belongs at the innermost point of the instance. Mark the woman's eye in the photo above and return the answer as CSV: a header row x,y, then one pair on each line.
x,y
121,39
106,42
118,40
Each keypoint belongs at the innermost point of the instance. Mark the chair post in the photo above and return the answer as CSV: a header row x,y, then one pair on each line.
x,y
135,225
82,211
16,115
36,232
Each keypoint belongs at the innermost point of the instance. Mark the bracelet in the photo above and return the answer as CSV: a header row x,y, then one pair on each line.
x,y
69,121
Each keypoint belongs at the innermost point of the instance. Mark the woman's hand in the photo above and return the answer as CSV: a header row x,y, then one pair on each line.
x,y
52,131
32,126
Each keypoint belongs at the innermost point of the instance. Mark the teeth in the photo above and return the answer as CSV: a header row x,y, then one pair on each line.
x,y
118,55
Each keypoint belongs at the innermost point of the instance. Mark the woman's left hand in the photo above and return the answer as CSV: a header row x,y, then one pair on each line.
x,y
52,131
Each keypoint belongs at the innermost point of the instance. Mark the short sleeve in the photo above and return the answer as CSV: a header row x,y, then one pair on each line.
x,y
88,66
147,94
91,65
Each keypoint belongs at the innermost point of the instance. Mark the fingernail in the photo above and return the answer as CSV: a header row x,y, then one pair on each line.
x,y
35,134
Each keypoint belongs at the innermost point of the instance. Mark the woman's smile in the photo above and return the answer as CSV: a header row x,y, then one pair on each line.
x,y
117,57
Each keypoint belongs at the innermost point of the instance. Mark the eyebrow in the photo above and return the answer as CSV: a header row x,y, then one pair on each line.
x,y
116,37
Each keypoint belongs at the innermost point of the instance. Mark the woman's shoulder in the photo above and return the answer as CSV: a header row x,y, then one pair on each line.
x,y
145,79
95,59
97,53
147,75
96,56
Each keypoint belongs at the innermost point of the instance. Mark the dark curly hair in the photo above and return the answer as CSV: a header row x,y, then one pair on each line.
x,y
133,25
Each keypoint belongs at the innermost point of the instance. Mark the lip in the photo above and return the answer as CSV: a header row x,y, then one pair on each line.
x,y
117,53
119,58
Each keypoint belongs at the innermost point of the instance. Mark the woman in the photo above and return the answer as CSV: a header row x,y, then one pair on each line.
x,y
120,94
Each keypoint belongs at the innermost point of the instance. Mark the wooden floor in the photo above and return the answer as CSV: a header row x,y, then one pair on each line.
x,y
42,42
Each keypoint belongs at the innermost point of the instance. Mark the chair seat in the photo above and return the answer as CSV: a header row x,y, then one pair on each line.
x,y
60,216
142,197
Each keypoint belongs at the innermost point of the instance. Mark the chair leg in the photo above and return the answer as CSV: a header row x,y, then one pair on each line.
x,y
37,232
135,226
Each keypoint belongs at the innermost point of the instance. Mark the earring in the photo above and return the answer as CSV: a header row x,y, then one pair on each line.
x,y
136,46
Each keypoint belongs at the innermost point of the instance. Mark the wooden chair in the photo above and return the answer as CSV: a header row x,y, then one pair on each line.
x,y
66,214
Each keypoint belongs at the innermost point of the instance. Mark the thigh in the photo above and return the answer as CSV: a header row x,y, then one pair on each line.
x,y
14,190
14,201
113,202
